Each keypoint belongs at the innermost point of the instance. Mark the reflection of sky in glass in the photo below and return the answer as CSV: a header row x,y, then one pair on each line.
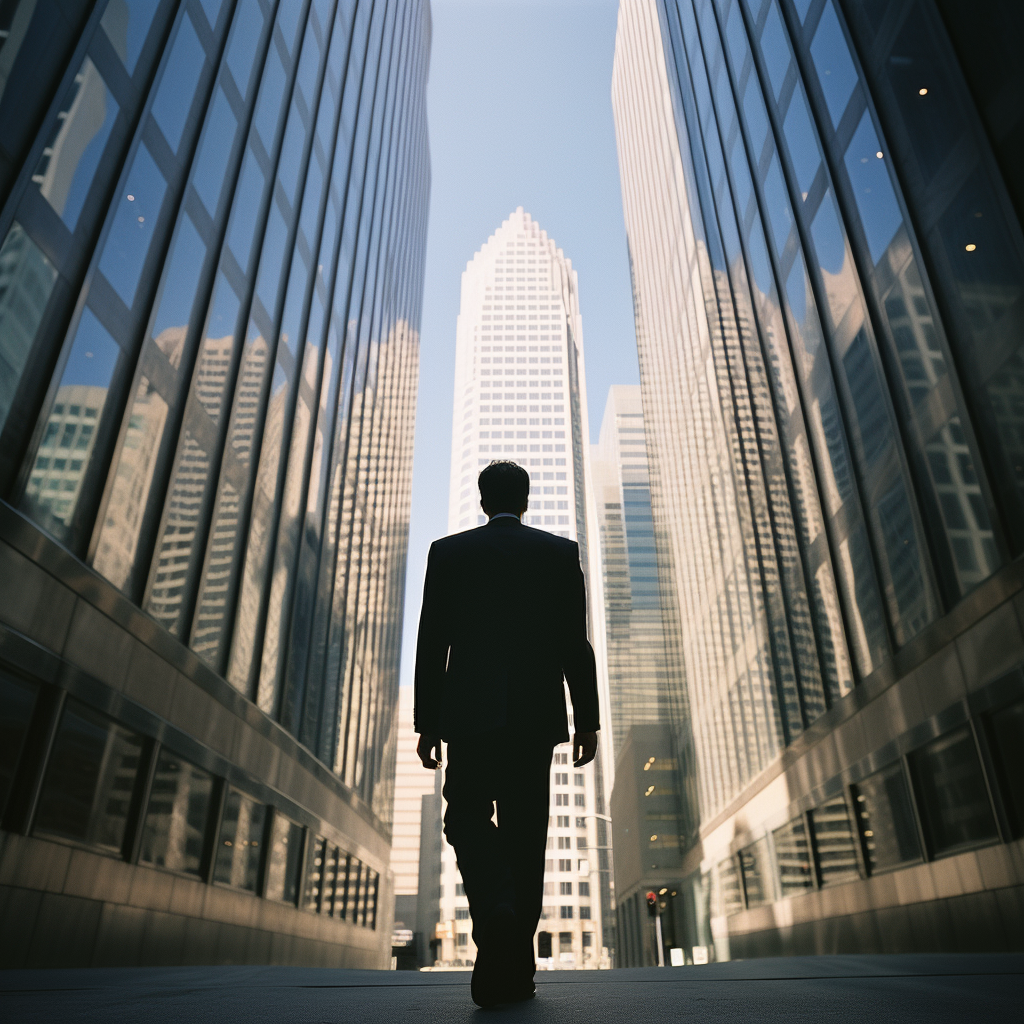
x,y
243,216
182,278
74,154
755,116
93,354
268,107
179,82
834,65
248,25
777,201
801,8
876,201
125,249
800,138
212,9
126,23
212,161
775,47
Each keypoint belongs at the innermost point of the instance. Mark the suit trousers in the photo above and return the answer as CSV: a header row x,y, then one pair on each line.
x,y
502,865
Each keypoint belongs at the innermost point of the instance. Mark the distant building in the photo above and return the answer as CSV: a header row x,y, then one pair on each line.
x,y
413,783
520,394
823,209
212,232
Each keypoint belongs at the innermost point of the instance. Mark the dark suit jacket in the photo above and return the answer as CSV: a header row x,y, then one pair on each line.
x,y
504,619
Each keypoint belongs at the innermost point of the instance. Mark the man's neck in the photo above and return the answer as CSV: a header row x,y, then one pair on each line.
x,y
499,515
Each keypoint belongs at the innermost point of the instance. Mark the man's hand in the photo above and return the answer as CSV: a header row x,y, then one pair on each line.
x,y
584,748
428,750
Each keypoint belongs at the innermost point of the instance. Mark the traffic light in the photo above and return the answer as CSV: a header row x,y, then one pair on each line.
x,y
652,903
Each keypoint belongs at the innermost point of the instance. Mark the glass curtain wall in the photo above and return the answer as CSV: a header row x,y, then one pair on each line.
x,y
815,411
210,284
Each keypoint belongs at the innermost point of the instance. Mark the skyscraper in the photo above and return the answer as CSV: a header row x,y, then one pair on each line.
x,y
213,220
520,395
823,212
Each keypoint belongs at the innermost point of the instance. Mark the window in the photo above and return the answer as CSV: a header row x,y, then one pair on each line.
x,y
793,855
462,913
90,779
833,838
565,842
315,874
563,821
951,793
886,820
584,913
17,698
561,758
565,865
832,60
584,889
726,891
578,779
581,822
240,843
174,832
580,799
462,939
565,913
581,843
758,876
561,799
1006,728
460,889
561,778
565,942
285,855
565,888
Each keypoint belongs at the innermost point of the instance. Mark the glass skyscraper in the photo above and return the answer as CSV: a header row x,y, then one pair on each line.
x,y
823,211
213,218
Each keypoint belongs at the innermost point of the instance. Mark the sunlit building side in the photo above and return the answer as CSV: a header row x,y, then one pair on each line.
x,y
212,232
825,241
520,395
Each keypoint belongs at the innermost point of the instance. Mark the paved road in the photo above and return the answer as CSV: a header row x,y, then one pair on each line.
x,y
932,989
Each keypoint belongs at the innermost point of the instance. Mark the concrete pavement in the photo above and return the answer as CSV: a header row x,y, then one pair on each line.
x,y
930,988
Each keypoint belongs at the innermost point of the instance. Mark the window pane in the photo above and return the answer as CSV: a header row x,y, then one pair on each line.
x,y
726,891
248,195
793,853
315,874
212,161
268,106
951,793
872,188
1007,731
372,893
285,857
126,23
179,83
52,494
26,280
837,271
245,36
334,883
886,818
240,843
69,160
779,213
135,217
802,141
835,843
89,779
833,63
17,698
775,47
758,876
179,808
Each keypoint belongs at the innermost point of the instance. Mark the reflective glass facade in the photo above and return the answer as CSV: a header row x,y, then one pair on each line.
x,y
211,261
826,257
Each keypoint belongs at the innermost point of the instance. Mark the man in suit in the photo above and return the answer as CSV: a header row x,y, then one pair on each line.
x,y
504,620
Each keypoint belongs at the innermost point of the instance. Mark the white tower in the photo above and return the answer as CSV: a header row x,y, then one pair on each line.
x,y
520,395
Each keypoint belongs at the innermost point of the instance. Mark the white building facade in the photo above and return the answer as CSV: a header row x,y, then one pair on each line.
x,y
520,395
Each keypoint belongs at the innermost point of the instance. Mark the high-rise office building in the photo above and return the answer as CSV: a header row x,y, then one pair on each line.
x,y
823,211
413,782
520,395
643,682
212,225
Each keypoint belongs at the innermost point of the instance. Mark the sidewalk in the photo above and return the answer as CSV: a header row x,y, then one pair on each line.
x,y
932,989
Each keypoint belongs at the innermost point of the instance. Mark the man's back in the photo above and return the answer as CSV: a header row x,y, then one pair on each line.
x,y
504,618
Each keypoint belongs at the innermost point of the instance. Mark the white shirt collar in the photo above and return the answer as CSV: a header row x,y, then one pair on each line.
x,y
499,515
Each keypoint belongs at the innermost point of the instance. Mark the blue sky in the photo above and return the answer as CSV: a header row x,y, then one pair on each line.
x,y
519,107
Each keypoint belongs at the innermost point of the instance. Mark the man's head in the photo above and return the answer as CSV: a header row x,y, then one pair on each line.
x,y
504,487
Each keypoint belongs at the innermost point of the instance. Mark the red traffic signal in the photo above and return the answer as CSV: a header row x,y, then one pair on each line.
x,y
652,903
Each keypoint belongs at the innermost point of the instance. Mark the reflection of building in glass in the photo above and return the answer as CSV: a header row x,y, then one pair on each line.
x,y
520,395
211,257
822,298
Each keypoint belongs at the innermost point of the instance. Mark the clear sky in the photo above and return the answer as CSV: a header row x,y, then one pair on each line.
x,y
519,108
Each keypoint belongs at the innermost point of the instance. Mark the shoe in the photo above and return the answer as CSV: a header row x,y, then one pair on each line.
x,y
491,972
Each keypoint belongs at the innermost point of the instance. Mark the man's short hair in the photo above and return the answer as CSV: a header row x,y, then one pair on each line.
x,y
504,487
